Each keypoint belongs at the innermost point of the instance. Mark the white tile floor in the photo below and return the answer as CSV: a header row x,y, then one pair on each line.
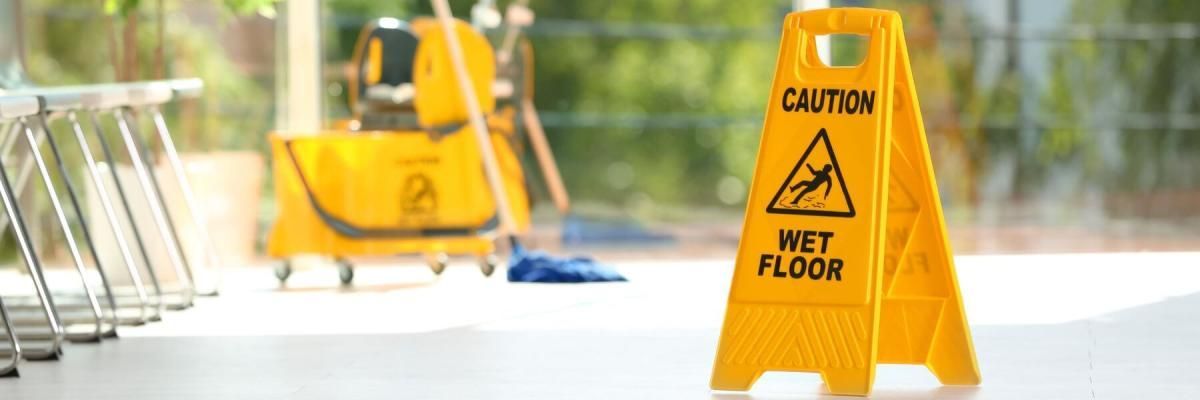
x,y
1113,326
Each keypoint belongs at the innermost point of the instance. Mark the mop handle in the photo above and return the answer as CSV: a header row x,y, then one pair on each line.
x,y
533,124
491,167
541,148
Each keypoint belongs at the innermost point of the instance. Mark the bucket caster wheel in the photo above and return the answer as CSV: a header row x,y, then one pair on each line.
x,y
283,271
345,271
487,264
437,262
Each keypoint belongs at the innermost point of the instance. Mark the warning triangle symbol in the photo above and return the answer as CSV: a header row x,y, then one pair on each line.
x,y
815,186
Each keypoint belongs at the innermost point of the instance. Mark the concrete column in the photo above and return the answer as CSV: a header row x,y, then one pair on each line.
x,y
823,45
298,91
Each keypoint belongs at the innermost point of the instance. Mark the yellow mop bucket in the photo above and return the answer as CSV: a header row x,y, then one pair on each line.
x,y
383,193
407,189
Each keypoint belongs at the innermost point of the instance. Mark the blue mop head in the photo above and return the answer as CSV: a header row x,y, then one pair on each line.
x,y
537,266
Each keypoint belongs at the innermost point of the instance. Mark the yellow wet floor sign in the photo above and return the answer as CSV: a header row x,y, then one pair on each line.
x,y
844,261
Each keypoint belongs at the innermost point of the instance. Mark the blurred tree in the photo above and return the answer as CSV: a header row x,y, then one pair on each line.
x,y
677,91
66,42
126,67
1126,102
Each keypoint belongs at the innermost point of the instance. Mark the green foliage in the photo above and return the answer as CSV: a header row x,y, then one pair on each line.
x,y
246,7
707,94
236,109
238,7
1097,83
120,7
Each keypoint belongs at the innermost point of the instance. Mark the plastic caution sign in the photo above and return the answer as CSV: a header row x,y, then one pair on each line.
x,y
844,261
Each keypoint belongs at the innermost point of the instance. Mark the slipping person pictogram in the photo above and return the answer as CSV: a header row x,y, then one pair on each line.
x,y
801,192
418,195
819,178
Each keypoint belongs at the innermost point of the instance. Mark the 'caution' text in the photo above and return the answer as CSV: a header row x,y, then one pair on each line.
x,y
829,101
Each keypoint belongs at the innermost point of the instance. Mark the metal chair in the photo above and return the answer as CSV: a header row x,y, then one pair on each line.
x,y
14,80
97,99
88,313
16,110
134,144
11,109
76,309
67,102
148,98
35,327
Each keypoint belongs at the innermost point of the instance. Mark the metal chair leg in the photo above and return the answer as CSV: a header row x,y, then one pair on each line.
x,y
72,247
214,258
24,172
159,300
145,308
29,256
10,138
110,299
9,368
158,213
